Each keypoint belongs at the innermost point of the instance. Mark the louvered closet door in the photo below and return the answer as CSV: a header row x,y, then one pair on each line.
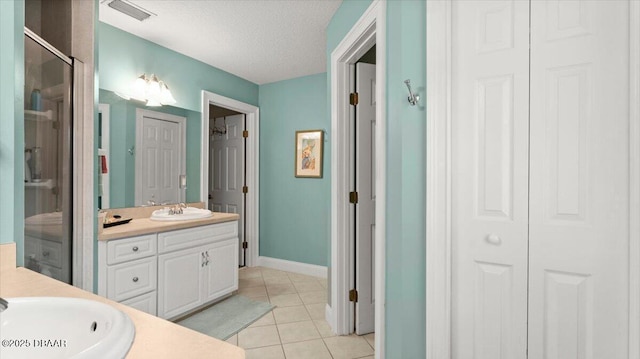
x,y
579,202
490,114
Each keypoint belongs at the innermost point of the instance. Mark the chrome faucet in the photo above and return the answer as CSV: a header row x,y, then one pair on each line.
x,y
3,304
177,209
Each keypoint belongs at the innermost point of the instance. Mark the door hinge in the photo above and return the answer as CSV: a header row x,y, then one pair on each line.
x,y
353,98
353,197
245,189
245,133
353,295
245,245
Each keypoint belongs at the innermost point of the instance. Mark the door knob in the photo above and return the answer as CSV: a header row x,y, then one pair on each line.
x,y
493,239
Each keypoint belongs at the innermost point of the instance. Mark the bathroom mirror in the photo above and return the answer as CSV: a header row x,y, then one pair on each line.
x,y
121,157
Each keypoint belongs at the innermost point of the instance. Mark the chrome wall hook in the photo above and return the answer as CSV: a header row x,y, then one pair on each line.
x,y
413,98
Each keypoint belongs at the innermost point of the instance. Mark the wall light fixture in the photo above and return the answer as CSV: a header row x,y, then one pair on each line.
x,y
150,90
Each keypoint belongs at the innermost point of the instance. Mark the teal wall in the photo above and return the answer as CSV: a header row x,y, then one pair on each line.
x,y
406,171
123,57
12,124
294,212
406,207
122,131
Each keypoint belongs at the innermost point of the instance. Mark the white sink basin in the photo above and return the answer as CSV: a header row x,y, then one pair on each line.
x,y
187,214
57,327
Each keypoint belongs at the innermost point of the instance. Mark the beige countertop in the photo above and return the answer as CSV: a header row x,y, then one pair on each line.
x,y
154,338
140,226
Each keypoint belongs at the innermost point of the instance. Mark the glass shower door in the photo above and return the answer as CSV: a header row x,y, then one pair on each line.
x,y
48,159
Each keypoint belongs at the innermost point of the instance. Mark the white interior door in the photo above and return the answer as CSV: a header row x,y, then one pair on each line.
x,y
227,172
562,229
490,94
160,158
579,207
365,186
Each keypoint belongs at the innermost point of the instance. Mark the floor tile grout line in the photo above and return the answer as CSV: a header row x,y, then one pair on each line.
x,y
311,319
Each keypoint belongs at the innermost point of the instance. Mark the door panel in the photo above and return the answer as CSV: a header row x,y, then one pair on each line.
x,y
161,164
490,92
221,272
228,172
579,209
179,278
365,185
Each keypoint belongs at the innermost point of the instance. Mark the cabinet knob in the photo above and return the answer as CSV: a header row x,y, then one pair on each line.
x,y
135,249
45,253
135,279
493,239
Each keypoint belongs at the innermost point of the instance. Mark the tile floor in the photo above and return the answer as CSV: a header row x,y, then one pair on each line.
x,y
296,328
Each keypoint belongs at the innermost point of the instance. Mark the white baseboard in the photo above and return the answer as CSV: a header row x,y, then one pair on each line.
x,y
295,267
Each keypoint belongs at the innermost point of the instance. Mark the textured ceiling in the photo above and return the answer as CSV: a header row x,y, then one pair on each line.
x,y
261,41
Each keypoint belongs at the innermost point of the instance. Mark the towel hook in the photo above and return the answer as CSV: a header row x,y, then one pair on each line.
x,y
413,98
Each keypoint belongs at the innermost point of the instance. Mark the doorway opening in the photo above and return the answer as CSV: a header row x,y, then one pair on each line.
x,y
229,166
363,149
341,313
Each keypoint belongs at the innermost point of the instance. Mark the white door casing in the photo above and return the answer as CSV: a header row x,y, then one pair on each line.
x,y
365,125
226,172
160,157
579,181
561,285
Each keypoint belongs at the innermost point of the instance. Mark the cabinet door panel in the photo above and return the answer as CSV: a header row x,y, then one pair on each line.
x,y
221,273
179,288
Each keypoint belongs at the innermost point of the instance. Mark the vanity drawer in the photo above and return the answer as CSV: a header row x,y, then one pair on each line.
x,y
146,302
122,250
192,237
51,253
130,279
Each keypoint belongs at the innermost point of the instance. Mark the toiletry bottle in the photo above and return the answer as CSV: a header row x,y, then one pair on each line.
x,y
36,100
36,162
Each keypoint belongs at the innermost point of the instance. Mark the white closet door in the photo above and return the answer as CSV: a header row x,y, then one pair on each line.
x,y
579,202
161,161
490,96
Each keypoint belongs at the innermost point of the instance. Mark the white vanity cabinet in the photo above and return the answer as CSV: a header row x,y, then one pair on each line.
x,y
198,265
170,273
45,256
127,271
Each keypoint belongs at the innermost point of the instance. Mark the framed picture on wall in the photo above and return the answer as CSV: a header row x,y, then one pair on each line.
x,y
309,153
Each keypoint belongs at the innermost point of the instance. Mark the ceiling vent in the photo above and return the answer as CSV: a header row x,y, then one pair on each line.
x,y
129,8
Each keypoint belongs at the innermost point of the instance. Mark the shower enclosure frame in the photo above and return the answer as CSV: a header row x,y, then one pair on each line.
x,y
81,226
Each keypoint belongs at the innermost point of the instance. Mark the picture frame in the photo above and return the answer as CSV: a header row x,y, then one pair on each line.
x,y
309,153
